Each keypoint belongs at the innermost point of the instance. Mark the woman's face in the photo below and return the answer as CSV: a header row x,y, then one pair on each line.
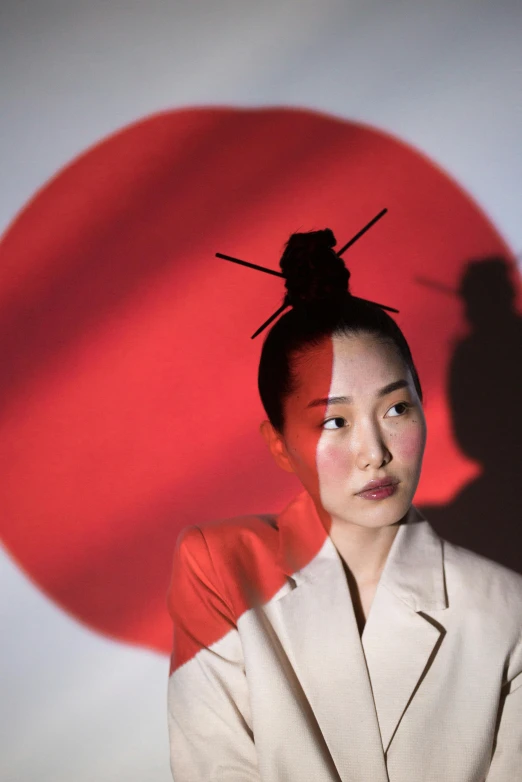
x,y
354,417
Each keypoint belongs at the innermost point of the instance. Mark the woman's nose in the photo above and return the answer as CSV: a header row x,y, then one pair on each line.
x,y
372,450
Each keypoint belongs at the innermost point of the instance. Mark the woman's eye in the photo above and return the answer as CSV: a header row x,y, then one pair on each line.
x,y
334,423
403,406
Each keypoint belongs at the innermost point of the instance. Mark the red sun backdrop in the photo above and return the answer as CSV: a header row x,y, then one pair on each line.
x,y
129,401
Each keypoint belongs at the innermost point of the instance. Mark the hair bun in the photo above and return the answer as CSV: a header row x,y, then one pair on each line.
x,y
312,270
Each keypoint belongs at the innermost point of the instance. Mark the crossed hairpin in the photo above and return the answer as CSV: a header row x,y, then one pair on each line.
x,y
279,274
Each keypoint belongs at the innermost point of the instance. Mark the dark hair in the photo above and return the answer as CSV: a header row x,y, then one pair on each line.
x,y
322,306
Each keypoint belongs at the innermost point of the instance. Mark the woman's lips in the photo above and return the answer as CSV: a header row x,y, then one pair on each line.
x,y
379,491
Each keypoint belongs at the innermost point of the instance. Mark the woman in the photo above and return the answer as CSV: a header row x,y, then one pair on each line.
x,y
342,639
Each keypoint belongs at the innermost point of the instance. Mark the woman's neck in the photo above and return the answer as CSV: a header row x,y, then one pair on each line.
x,y
364,550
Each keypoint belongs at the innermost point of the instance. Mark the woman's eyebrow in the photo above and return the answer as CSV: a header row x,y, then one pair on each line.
x,y
348,400
403,383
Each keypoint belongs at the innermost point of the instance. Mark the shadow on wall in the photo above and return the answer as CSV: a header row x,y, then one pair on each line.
x,y
485,396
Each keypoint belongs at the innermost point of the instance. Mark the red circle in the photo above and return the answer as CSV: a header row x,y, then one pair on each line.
x,y
129,401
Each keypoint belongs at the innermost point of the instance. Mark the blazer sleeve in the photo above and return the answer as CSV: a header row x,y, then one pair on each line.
x,y
210,730
506,763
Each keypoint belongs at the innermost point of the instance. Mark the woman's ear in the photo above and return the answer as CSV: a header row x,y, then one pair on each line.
x,y
276,444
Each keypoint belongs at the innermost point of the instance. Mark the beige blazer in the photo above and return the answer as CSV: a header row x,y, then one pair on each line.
x,y
271,681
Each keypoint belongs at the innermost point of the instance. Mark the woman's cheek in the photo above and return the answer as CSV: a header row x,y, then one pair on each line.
x,y
408,445
303,448
333,462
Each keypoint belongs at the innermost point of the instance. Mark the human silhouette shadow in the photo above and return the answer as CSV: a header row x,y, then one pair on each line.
x,y
485,396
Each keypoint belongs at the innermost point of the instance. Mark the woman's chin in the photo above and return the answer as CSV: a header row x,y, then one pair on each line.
x,y
373,513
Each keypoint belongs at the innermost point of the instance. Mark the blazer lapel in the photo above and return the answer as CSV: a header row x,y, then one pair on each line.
x,y
316,626
399,641
358,689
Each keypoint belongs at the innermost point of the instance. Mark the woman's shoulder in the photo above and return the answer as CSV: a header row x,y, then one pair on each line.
x,y
239,556
227,538
478,581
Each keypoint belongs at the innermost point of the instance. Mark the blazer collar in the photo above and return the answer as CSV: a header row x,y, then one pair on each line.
x,y
383,670
414,569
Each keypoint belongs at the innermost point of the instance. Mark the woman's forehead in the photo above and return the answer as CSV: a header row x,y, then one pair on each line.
x,y
348,365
